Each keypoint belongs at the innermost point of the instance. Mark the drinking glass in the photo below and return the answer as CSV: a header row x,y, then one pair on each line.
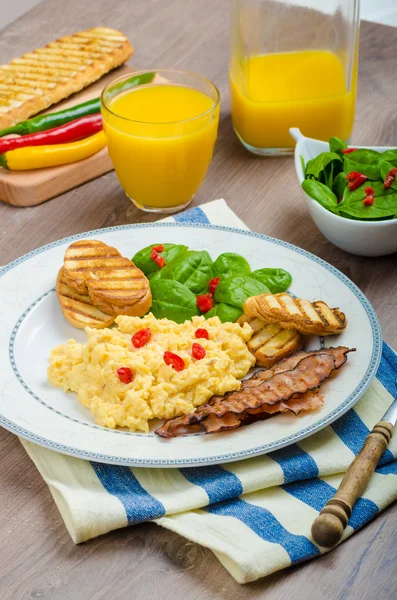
x,y
160,135
292,64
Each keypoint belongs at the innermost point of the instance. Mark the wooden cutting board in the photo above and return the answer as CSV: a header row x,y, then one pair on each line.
x,y
28,188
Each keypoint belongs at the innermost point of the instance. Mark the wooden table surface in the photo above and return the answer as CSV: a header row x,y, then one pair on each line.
x,y
37,558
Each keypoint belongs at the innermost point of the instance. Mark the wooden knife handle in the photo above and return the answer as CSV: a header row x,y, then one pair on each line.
x,y
328,528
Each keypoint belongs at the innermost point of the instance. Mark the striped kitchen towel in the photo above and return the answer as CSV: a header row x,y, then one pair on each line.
x,y
256,514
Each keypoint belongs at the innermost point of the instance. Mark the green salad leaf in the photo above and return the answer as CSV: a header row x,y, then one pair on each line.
x,y
172,300
192,268
385,202
276,280
236,289
225,312
337,145
228,263
363,161
390,156
339,185
384,168
320,192
143,261
316,166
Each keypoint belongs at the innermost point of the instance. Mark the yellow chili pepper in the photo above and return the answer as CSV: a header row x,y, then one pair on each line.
x,y
38,157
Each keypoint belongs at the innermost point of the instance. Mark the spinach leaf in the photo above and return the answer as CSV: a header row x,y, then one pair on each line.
x,y
228,263
384,168
390,156
385,202
337,145
364,161
172,300
236,289
315,167
225,312
143,261
339,185
320,192
192,268
277,280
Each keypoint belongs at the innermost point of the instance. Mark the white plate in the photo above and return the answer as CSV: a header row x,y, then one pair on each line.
x,y
31,324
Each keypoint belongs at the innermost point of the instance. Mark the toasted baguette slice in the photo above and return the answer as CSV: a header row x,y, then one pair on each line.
x,y
78,309
270,342
114,284
296,313
38,79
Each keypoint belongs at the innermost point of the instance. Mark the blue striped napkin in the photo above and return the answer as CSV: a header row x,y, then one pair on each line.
x,y
256,514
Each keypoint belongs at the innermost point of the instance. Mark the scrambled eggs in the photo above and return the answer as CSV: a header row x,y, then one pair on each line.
x,y
157,390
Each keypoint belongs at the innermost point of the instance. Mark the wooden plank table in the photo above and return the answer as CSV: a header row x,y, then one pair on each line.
x,y
37,557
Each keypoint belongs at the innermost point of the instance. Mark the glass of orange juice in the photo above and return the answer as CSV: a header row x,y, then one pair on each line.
x,y
292,64
160,135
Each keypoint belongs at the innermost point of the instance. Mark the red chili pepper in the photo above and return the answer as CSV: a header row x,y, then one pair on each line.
x,y
202,333
390,177
369,196
174,360
205,302
348,150
70,132
159,260
355,179
159,248
125,374
198,352
141,337
214,284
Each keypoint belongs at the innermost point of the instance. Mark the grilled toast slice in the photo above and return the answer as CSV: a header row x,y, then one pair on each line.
x,y
114,284
78,309
296,313
270,342
47,75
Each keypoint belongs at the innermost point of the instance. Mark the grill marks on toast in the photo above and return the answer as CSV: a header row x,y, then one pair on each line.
x,y
78,308
114,284
296,313
270,342
47,75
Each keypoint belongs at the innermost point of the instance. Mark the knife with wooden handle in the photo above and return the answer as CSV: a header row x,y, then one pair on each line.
x,y
330,524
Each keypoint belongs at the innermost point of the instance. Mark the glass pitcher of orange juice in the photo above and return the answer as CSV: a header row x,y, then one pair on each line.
x,y
292,64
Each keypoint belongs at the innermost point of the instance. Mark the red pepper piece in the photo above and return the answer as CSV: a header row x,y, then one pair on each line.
x,y
174,360
390,177
70,132
159,248
202,333
198,352
348,150
141,337
205,302
159,260
214,284
356,181
369,196
352,175
125,374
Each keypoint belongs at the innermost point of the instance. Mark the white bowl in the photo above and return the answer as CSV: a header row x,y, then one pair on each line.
x,y
365,238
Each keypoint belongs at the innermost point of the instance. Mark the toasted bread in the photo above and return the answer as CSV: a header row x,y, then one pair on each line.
x,y
270,342
296,313
38,79
114,283
78,309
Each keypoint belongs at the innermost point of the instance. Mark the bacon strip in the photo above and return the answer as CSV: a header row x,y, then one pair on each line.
x,y
289,380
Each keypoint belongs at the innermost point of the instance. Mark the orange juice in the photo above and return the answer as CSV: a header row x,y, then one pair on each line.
x,y
306,89
160,139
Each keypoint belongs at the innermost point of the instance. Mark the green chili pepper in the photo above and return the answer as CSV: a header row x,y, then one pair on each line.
x,y
51,120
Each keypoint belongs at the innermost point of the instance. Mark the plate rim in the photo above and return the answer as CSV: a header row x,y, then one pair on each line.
x,y
232,456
